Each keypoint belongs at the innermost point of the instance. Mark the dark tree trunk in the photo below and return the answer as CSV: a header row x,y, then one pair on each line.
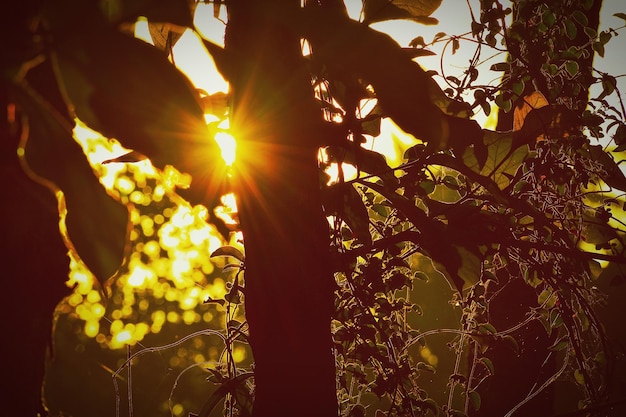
x,y
288,281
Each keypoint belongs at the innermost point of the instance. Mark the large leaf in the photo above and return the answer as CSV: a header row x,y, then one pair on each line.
x,y
127,89
503,157
416,10
97,225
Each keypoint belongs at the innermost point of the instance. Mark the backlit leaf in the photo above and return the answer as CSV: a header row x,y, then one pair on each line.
x,y
97,225
503,160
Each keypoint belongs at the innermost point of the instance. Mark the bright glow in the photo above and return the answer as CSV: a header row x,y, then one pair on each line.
x,y
228,146
207,25
142,31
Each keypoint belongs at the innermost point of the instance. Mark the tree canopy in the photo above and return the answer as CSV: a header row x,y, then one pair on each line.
x,y
421,286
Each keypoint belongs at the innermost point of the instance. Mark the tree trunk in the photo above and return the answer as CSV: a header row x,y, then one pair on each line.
x,y
288,280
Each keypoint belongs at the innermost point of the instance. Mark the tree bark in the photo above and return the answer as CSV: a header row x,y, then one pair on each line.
x,y
288,280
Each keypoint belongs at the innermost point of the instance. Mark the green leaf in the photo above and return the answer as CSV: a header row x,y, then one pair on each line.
x,y
228,250
97,226
512,342
503,159
571,29
572,68
487,328
474,398
596,231
579,377
559,345
488,364
581,18
416,10
145,103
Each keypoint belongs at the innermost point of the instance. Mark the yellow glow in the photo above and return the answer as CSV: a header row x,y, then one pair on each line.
x,y
239,354
228,146
122,337
140,276
92,328
428,356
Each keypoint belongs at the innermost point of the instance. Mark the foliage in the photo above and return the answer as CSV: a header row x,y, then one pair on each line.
x,y
475,209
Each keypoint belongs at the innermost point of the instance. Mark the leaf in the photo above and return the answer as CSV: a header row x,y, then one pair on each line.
x,y
503,158
488,364
228,250
416,10
459,265
216,104
501,66
474,398
229,386
164,35
612,175
572,68
559,345
553,121
595,230
97,226
146,103
620,138
535,100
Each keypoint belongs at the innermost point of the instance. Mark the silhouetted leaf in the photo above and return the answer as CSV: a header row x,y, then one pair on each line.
x,y
97,225
218,395
145,103
613,176
228,250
